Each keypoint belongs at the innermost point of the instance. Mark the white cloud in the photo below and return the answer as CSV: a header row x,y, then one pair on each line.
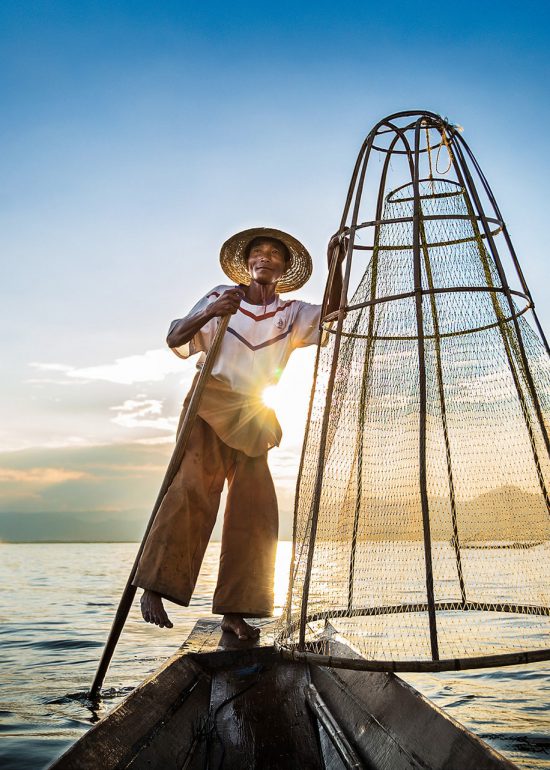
x,y
141,412
52,367
140,405
151,366
41,476
62,442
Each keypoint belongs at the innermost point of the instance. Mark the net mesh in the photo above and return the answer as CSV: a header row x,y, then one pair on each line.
x,y
364,568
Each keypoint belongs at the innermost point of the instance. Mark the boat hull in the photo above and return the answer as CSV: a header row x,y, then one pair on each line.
x,y
222,703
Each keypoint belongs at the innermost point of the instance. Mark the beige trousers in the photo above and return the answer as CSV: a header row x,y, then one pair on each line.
x,y
175,547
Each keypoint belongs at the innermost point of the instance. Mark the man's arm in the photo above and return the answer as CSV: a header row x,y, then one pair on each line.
x,y
185,329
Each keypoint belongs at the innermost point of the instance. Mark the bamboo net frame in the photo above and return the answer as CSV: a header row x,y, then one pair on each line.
x,y
422,527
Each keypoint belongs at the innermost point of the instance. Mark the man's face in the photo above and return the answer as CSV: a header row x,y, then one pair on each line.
x,y
266,262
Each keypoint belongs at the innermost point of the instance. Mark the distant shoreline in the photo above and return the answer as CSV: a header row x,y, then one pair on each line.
x,y
67,542
73,542
89,542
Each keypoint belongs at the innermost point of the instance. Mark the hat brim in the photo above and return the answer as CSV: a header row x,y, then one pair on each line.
x,y
233,262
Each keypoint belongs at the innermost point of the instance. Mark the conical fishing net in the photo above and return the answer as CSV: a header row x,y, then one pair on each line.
x,y
422,520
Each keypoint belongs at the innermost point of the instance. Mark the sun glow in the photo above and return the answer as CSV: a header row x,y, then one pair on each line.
x,y
270,396
290,397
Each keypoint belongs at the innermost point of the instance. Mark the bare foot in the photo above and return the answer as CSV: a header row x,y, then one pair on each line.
x,y
237,625
153,610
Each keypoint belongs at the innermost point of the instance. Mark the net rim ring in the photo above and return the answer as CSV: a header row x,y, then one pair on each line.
x,y
445,664
402,609
430,121
331,317
427,218
454,194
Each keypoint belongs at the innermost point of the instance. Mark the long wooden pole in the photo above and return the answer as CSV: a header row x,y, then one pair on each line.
x,y
175,462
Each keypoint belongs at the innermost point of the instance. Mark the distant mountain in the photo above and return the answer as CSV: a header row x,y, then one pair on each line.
x,y
91,527
91,494
504,514
76,528
507,514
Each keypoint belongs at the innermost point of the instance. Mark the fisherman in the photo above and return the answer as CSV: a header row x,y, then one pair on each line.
x,y
232,433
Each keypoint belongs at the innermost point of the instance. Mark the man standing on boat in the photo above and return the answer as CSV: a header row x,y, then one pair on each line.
x,y
232,433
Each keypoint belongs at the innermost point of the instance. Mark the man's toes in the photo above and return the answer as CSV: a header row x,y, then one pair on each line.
x,y
239,627
152,610
246,631
164,620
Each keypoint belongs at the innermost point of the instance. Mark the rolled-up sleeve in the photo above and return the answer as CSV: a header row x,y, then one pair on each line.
x,y
305,327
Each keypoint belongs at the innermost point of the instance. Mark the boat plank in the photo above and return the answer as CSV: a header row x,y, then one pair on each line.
x,y
159,712
394,727
251,731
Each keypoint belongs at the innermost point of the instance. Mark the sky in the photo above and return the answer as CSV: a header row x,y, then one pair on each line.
x,y
136,137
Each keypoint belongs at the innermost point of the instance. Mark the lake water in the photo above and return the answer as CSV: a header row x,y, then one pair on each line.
x,y
56,609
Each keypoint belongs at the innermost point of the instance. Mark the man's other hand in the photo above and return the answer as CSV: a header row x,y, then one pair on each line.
x,y
343,247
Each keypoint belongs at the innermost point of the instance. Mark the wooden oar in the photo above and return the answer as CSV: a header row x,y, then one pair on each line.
x,y
175,462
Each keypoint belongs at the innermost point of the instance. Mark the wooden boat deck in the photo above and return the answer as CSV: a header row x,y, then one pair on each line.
x,y
220,703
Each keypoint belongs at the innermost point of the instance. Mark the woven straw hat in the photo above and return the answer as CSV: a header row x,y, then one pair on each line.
x,y
233,261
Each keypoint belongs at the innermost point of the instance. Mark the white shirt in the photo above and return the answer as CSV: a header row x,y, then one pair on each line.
x,y
258,341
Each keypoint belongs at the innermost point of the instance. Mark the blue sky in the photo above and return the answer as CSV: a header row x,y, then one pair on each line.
x,y
136,137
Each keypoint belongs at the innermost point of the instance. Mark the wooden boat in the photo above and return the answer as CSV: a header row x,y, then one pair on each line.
x,y
221,703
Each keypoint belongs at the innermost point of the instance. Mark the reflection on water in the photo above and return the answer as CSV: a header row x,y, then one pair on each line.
x,y
56,610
